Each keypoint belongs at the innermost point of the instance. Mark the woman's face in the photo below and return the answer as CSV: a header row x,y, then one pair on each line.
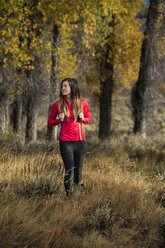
x,y
65,88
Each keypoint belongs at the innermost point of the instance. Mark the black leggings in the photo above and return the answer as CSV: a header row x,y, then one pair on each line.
x,y
72,153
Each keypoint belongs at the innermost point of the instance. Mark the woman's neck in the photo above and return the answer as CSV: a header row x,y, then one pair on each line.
x,y
69,99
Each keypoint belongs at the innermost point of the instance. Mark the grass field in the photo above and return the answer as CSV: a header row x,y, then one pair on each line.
x,y
122,204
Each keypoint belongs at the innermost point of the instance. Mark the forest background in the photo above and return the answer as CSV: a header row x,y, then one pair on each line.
x,y
116,51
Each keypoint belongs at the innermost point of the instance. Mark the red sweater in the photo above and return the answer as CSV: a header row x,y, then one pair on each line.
x,y
70,130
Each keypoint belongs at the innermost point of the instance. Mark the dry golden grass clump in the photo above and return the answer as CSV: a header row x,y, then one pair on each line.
x,y
121,205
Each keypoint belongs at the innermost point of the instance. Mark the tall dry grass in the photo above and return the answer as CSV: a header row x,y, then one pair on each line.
x,y
122,204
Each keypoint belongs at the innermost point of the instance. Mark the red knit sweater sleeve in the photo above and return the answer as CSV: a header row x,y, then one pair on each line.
x,y
52,121
87,115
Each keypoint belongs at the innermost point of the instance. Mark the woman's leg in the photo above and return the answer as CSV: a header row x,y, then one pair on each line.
x,y
79,151
67,154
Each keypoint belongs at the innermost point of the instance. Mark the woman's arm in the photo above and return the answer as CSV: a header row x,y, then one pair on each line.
x,y
87,115
52,121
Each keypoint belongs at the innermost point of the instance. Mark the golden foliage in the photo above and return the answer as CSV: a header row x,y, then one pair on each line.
x,y
114,24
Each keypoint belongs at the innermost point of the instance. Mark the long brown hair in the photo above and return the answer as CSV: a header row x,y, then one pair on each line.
x,y
75,99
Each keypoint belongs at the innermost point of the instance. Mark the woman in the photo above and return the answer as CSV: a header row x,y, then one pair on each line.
x,y
70,111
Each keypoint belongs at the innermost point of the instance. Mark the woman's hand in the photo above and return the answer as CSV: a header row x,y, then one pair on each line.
x,y
62,116
81,116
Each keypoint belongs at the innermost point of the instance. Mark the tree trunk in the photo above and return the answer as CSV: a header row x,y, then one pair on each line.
x,y
3,98
17,116
31,121
4,115
7,113
17,105
2,118
143,92
35,85
54,79
106,87
105,107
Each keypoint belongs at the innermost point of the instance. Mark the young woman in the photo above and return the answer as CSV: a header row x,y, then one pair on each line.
x,y
70,111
